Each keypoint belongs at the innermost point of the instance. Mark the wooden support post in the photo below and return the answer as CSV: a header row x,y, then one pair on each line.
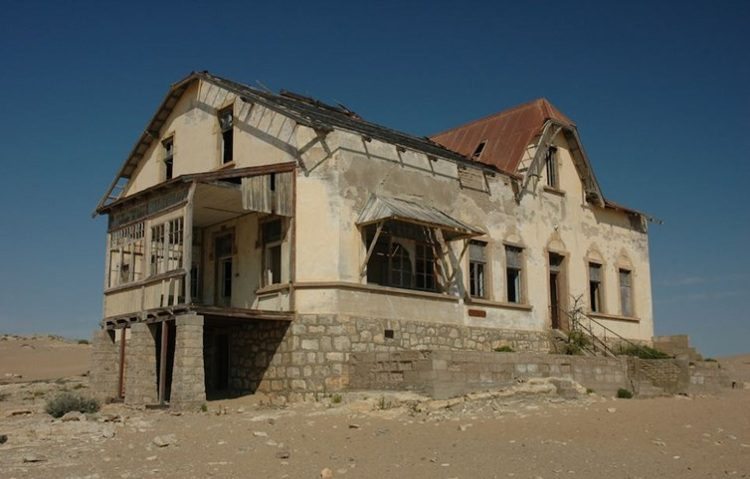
x,y
163,361
363,269
187,243
457,266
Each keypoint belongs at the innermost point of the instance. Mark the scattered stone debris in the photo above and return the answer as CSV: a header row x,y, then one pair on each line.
x,y
165,440
72,416
3,438
283,454
326,473
31,458
18,412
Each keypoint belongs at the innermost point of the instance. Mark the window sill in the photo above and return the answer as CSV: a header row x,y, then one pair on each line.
x,y
272,289
375,288
613,317
554,191
225,166
498,304
146,281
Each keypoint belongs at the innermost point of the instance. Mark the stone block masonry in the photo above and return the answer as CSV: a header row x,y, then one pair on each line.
x,y
105,361
444,374
311,355
140,375
188,374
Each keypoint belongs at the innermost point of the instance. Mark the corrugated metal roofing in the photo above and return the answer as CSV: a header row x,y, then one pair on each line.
x,y
379,208
507,134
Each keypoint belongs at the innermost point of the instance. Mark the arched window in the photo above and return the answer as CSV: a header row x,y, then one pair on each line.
x,y
401,270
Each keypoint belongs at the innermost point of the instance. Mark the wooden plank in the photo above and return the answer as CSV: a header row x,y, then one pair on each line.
x,y
187,243
371,248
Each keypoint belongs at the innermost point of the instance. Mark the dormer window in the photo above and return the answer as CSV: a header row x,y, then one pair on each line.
x,y
168,145
479,149
550,162
226,123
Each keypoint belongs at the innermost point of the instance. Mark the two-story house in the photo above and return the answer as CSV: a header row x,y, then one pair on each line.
x,y
256,240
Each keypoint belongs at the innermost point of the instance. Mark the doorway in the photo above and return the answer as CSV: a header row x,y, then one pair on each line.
x,y
223,246
557,303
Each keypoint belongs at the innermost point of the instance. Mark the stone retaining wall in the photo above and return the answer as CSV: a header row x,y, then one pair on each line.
x,y
443,374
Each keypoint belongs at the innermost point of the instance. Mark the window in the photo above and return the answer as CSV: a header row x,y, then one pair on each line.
x,y
626,292
595,287
226,123
168,145
513,269
166,246
479,149
550,162
403,257
425,262
477,266
126,247
271,234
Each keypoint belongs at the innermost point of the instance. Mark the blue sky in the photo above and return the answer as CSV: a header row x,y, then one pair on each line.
x,y
660,91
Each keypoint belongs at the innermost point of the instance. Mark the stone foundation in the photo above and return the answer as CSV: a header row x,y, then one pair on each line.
x,y
311,355
104,375
140,375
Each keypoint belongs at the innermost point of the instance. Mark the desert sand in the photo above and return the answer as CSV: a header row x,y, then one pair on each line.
x,y
514,433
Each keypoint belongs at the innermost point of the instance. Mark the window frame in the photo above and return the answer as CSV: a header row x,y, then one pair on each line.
x,y
600,307
168,159
631,303
552,168
418,251
520,277
226,135
266,251
474,277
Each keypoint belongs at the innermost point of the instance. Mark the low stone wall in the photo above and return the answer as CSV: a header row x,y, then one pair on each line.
x,y
671,376
443,374
708,377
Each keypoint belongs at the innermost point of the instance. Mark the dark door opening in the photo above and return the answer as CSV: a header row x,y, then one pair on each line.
x,y
224,269
165,330
558,316
221,381
554,295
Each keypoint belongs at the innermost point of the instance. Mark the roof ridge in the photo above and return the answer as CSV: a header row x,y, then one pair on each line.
x,y
533,102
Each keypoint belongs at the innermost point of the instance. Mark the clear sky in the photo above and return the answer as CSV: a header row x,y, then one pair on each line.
x,y
660,92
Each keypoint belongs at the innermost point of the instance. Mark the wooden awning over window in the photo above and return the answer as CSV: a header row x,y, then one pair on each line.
x,y
380,208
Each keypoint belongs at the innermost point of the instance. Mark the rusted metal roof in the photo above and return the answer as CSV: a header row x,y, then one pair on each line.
x,y
507,134
379,208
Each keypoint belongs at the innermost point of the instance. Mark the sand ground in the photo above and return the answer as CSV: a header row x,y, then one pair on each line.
x,y
380,435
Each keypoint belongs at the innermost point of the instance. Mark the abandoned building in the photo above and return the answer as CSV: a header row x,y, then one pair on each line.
x,y
256,241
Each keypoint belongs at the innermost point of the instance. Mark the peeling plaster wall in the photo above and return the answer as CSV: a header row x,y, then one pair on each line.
x,y
333,194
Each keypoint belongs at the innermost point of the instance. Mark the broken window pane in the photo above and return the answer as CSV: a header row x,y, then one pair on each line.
x,y
550,162
595,287
477,264
513,270
126,247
